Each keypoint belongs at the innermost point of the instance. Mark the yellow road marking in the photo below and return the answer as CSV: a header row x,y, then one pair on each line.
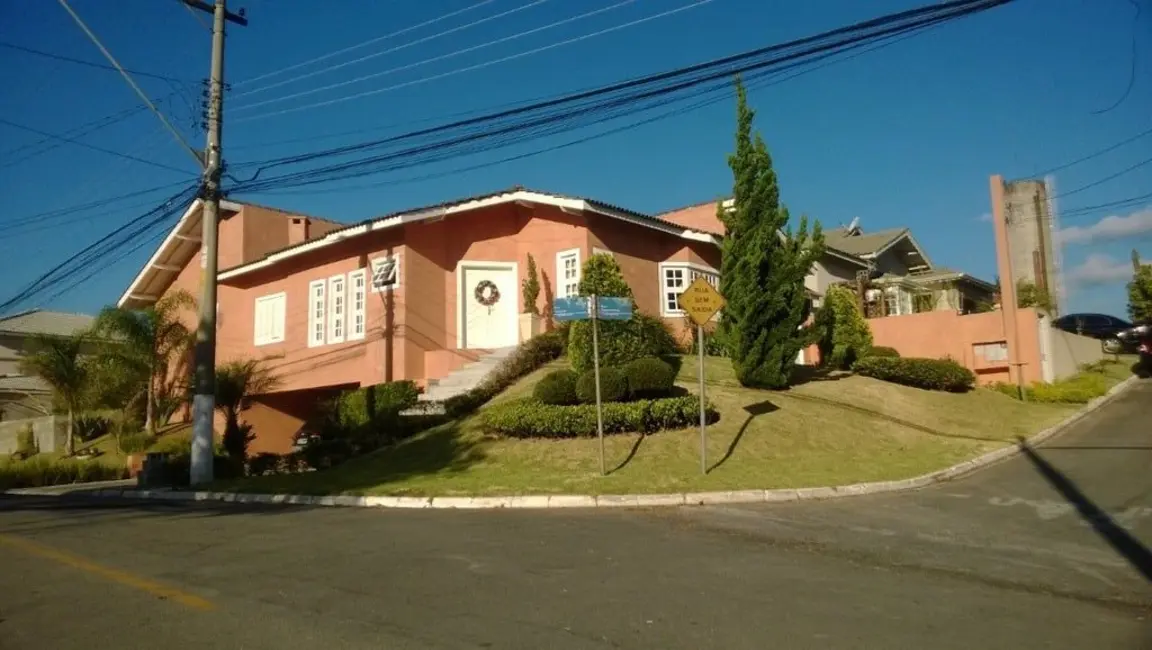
x,y
115,575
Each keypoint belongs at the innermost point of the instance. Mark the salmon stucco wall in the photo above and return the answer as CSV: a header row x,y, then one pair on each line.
x,y
966,339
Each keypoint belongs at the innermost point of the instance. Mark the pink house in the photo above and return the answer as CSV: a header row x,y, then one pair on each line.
x,y
407,295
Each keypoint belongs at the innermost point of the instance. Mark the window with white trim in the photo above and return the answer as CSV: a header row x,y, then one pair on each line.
x,y
336,308
385,273
568,273
317,308
675,278
269,319
357,304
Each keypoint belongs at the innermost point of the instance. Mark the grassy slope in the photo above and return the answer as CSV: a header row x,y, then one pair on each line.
x,y
835,430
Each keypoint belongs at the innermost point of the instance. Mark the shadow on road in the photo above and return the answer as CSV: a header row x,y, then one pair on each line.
x,y
1123,542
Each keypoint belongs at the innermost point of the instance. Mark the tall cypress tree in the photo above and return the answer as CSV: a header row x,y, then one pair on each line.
x,y
763,266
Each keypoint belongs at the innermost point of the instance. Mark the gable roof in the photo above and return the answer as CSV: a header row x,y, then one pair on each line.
x,y
854,242
566,203
38,321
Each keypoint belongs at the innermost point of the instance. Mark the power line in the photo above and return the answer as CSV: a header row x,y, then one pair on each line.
x,y
375,75
1104,180
1095,154
128,78
367,43
73,209
478,66
90,146
90,64
617,96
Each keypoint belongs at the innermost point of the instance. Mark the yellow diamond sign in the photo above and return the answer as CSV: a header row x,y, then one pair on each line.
x,y
701,301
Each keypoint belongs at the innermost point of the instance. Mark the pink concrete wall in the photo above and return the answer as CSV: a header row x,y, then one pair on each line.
x,y
940,334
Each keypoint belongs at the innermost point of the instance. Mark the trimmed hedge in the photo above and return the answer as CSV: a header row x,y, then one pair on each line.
x,y
649,378
531,419
882,351
929,374
557,387
613,386
38,472
1080,389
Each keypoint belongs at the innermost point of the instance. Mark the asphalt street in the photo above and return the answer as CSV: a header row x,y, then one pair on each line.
x,y
1047,550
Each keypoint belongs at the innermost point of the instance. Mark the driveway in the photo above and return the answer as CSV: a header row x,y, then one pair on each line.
x,y
1047,550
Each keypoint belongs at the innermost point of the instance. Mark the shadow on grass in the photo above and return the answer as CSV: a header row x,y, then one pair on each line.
x,y
754,411
1121,541
631,454
889,418
808,374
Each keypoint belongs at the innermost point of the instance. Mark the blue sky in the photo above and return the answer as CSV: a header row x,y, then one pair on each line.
x,y
904,136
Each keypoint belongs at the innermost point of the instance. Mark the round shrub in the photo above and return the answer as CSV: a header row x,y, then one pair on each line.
x,y
929,374
649,378
883,351
620,341
613,386
557,387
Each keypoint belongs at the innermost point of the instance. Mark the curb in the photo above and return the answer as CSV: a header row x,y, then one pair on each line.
x,y
606,500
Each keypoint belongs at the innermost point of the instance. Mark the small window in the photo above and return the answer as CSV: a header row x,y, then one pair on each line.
x,y
269,319
317,308
568,273
357,304
385,273
675,278
336,308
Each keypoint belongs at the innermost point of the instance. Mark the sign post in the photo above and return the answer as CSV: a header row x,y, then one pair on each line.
x,y
595,309
701,301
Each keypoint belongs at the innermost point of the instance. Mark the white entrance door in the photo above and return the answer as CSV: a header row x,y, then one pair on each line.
x,y
487,326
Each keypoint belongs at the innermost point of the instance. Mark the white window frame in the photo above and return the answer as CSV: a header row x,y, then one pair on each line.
x,y
275,303
561,258
357,304
395,257
317,313
337,308
690,272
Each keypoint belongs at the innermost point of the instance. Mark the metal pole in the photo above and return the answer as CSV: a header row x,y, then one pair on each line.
x,y
703,419
204,401
595,309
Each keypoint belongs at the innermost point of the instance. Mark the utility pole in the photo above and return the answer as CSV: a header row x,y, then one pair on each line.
x,y
204,399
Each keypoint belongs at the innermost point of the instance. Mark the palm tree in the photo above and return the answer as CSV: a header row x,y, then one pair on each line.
x,y
59,361
237,382
147,342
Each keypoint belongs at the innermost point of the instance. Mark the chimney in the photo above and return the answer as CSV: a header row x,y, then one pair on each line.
x,y
297,230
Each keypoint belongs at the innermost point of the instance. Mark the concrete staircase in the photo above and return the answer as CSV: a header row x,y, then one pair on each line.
x,y
460,381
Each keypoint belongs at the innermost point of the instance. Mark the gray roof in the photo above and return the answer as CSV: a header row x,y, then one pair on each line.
x,y
844,241
23,384
38,321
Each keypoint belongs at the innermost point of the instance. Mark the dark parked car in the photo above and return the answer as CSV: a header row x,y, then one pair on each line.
x,y
1098,326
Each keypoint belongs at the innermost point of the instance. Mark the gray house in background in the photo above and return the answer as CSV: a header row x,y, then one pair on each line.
x,y
908,281
23,396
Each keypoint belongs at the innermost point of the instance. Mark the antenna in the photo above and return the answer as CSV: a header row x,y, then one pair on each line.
x,y
854,225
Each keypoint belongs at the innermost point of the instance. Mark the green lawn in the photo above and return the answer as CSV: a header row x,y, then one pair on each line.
x,y
828,430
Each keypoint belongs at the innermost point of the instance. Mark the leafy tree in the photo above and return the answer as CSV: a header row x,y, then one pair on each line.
x,y
531,288
1030,295
1140,291
763,266
59,361
844,335
237,382
150,344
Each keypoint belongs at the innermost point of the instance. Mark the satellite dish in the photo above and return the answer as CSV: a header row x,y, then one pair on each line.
x,y
854,225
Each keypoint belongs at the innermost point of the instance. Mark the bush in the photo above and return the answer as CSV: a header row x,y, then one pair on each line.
x,y
882,351
531,419
1080,389
613,386
265,463
715,344
91,426
929,374
362,406
38,472
135,443
531,355
843,333
26,445
557,387
620,341
649,378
